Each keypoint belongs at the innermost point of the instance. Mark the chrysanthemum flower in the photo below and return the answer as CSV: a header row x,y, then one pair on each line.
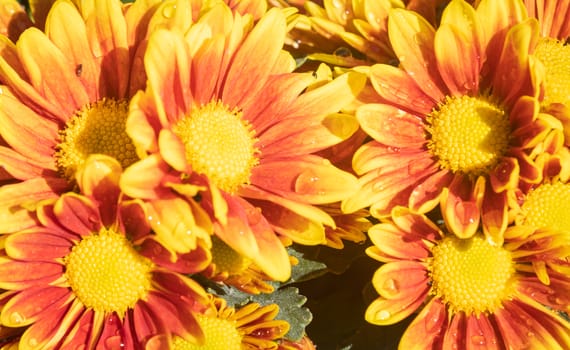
x,y
67,97
89,274
469,293
225,123
304,344
250,327
458,121
553,52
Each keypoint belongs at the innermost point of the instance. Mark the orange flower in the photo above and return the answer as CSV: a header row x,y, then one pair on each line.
x,y
250,327
224,124
90,274
67,97
469,293
457,123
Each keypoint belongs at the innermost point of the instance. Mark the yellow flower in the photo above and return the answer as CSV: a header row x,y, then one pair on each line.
x,y
225,125
469,292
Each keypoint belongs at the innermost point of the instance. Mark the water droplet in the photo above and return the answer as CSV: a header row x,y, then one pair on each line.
x,y
168,11
17,318
383,315
33,342
390,287
378,187
478,340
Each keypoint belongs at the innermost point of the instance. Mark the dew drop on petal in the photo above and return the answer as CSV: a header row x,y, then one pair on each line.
x,y
17,318
383,315
390,286
478,340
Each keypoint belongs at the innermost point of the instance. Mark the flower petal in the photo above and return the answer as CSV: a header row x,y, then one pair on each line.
x,y
37,245
78,214
461,205
26,274
32,304
412,38
428,326
401,280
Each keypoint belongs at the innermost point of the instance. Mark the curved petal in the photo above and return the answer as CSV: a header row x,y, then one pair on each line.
x,y
27,274
78,214
245,74
167,64
461,205
458,49
17,200
47,67
389,311
22,167
66,29
429,326
393,244
37,246
249,233
481,334
397,87
412,38
401,280
144,178
32,304
494,215
391,126
308,179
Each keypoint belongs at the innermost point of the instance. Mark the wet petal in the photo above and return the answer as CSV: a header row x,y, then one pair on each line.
x,y
37,246
461,205
428,326
26,274
32,304
78,214
401,280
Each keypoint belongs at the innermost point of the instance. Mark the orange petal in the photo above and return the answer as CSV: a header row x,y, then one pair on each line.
x,y
66,29
21,167
290,224
167,64
428,326
480,334
48,68
461,206
249,233
391,126
172,150
427,194
383,312
32,304
144,179
394,244
245,74
37,246
458,49
394,85
27,274
494,215
412,39
308,179
78,214
401,280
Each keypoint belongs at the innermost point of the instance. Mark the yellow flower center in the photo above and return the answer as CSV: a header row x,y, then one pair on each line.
x,y
468,134
226,259
219,144
548,205
556,59
219,334
471,275
96,128
106,273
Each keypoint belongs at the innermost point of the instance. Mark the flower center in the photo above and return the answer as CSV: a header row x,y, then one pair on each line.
x,y
548,206
556,59
219,334
471,275
219,144
226,259
106,273
96,128
468,134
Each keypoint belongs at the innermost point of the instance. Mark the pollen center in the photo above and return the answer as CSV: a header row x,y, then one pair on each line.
x,y
471,275
106,273
226,259
548,206
468,134
100,128
219,144
219,334
555,56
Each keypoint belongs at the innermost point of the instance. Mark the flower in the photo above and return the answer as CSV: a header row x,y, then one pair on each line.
x,y
554,54
457,123
66,97
89,274
248,327
225,126
469,292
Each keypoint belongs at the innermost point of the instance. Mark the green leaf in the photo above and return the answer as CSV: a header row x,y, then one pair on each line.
x,y
306,269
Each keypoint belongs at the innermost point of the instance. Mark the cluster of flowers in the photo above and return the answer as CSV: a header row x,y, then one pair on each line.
x,y
153,153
